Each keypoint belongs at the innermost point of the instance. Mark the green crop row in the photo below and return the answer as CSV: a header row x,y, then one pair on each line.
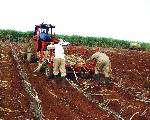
x,y
101,42
17,36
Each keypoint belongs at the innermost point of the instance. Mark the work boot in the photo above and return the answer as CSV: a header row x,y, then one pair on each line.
x,y
107,81
55,76
97,77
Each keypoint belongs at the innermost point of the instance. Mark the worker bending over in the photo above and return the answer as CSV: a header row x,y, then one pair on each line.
x,y
103,65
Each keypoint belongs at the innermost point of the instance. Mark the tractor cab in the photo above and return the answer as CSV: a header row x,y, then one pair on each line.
x,y
43,35
43,28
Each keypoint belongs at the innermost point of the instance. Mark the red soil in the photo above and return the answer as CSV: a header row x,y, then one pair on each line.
x,y
130,69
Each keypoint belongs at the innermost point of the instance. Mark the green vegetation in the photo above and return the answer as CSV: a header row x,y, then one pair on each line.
x,y
17,36
96,41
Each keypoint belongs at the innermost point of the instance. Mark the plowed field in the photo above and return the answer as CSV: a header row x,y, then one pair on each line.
x,y
126,98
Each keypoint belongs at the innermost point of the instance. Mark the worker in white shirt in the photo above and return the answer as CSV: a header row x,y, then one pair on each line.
x,y
59,59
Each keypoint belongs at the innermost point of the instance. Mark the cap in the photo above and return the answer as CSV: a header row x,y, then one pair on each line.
x,y
62,42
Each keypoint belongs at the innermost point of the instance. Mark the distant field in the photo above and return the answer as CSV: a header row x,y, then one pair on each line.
x,y
17,36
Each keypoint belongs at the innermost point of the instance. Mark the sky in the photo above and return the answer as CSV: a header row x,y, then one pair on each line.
x,y
118,19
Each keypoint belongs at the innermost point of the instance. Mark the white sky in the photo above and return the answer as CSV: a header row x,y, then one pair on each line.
x,y
119,19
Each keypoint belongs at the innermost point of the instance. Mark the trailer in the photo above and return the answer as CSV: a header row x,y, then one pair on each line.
x,y
83,70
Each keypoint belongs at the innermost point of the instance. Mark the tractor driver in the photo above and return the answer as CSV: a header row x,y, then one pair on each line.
x,y
44,36
103,65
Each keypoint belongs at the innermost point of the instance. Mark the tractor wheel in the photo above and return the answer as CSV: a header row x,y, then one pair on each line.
x,y
84,73
44,65
70,73
49,72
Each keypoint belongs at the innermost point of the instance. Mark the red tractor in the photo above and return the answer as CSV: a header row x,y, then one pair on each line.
x,y
47,64
43,38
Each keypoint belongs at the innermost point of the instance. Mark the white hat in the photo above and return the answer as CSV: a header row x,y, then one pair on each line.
x,y
62,42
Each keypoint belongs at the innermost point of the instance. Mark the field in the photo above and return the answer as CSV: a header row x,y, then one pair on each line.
x,y
28,95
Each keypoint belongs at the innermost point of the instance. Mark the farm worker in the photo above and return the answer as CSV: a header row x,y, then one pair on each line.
x,y
59,60
103,65
36,33
36,37
44,36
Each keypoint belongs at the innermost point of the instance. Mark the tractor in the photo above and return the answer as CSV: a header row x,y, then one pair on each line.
x,y
33,50
135,46
42,41
46,64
